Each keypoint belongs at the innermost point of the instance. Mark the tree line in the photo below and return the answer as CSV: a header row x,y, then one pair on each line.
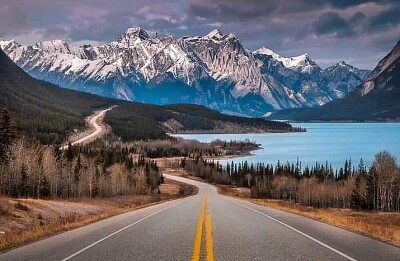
x,y
32,170
29,169
376,188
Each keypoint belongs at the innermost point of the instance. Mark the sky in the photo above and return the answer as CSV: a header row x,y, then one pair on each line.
x,y
358,32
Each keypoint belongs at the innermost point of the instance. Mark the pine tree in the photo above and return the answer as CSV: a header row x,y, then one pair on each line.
x,y
356,201
7,131
77,169
70,153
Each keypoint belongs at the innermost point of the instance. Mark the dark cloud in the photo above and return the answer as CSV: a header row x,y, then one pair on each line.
x,y
385,19
230,13
288,27
343,4
357,19
332,23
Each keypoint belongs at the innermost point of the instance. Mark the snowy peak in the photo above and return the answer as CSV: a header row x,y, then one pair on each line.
x,y
216,36
53,46
216,33
288,62
265,51
134,33
8,44
342,63
214,70
295,61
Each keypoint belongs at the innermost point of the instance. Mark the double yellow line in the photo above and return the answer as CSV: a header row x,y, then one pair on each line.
x,y
205,217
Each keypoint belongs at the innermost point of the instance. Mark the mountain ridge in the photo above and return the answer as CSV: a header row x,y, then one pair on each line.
x,y
376,99
213,70
49,113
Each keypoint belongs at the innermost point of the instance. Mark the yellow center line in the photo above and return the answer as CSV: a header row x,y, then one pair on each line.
x,y
209,240
204,221
199,232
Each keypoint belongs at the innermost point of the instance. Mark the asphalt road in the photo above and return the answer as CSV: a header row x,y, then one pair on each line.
x,y
95,123
207,227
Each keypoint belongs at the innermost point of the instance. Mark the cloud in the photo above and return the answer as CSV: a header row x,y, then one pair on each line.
x,y
289,27
343,4
332,23
55,32
385,19
357,19
13,20
230,13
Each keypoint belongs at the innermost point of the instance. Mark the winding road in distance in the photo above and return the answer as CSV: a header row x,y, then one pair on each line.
x,y
206,226
95,123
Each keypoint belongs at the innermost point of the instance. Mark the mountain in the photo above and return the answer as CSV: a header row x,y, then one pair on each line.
x,y
309,84
50,113
213,70
346,79
376,99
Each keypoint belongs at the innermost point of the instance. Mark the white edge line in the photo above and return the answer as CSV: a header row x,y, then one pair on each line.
x,y
297,231
117,232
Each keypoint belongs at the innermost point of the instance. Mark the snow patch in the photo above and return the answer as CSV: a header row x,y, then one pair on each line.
x,y
288,62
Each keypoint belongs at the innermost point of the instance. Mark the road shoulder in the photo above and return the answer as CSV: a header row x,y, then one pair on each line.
x,y
24,221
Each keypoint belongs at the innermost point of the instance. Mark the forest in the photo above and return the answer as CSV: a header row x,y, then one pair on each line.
x,y
188,148
356,187
29,169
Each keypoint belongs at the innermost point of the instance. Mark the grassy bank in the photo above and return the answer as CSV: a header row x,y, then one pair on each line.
x,y
384,226
26,220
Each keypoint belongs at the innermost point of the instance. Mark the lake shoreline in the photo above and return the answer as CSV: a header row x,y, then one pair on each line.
x,y
323,142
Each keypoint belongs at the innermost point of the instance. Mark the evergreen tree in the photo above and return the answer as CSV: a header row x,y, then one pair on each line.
x,y
7,131
70,153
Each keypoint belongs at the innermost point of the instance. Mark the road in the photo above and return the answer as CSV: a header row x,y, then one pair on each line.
x,y
95,123
206,226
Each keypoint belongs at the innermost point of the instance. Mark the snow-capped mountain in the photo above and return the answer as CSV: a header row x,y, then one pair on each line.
x,y
376,99
213,70
300,63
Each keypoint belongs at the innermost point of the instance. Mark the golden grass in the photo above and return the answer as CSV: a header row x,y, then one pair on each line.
x,y
110,207
379,225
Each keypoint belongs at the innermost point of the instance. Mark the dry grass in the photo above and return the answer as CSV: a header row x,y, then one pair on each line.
x,y
41,218
378,225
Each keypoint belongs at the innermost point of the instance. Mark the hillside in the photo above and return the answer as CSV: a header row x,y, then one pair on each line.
x,y
50,113
377,99
204,114
40,109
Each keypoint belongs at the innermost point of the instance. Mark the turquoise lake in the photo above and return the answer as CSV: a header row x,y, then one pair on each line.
x,y
332,142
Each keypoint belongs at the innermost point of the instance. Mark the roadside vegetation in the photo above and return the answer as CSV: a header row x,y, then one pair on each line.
x,y
44,190
363,200
384,226
25,219
376,189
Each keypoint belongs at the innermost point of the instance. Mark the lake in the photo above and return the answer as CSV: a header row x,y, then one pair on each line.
x,y
332,142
